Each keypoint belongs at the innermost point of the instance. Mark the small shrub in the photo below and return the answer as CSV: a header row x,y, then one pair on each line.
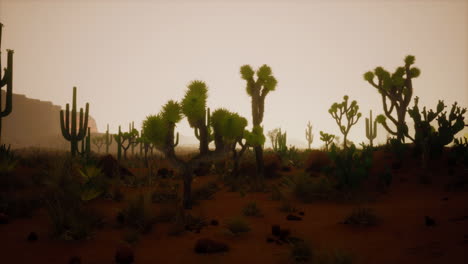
x,y
138,214
309,189
362,217
251,209
204,192
287,207
301,252
237,225
334,257
317,161
131,236
276,193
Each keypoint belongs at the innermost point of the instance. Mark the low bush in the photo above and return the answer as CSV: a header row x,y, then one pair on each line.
x,y
237,225
251,209
309,189
138,214
361,217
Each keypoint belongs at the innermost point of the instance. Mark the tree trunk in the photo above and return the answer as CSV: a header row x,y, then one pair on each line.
x,y
187,196
259,161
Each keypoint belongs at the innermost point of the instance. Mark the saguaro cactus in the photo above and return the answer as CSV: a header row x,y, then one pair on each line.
x,y
118,141
396,88
73,134
86,145
371,130
108,139
6,80
258,90
308,134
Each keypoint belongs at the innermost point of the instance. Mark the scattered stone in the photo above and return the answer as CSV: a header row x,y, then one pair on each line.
x,y
278,242
75,260
291,217
120,218
429,221
445,199
214,222
32,237
276,230
4,219
207,246
270,240
124,255
301,213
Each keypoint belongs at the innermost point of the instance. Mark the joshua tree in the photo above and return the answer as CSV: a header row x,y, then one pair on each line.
x,y
6,80
308,134
371,130
99,141
337,111
258,90
108,139
327,138
125,140
396,90
159,129
73,134
131,127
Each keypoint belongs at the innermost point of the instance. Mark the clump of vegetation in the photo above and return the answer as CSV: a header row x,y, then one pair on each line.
x,y
334,257
309,189
362,217
252,209
287,207
204,192
131,236
237,225
301,252
138,214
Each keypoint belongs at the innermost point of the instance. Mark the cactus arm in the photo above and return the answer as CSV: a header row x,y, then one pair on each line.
x,y
176,140
65,127
84,125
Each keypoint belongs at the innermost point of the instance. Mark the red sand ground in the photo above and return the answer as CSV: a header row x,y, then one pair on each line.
x,y
401,237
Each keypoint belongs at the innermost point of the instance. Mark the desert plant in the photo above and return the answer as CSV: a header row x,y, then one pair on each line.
x,y
108,139
6,80
301,252
397,88
327,138
204,192
73,134
237,225
94,185
361,217
86,146
258,90
350,166
99,141
308,189
371,129
125,141
138,214
340,110
308,134
252,209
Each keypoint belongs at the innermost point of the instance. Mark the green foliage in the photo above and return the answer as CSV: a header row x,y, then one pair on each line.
x,y
301,252
237,225
256,137
371,129
340,110
95,183
205,192
194,102
227,126
397,88
327,138
155,129
251,209
350,166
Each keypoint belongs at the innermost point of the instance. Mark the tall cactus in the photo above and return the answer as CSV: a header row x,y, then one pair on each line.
x,y
207,120
308,134
6,80
73,134
118,141
108,139
86,145
371,130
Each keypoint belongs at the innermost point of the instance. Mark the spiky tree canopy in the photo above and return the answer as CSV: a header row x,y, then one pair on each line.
x,y
194,102
227,124
156,127
265,79
396,90
255,137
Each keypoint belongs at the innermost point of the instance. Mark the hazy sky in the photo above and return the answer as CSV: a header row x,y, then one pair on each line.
x,y
129,57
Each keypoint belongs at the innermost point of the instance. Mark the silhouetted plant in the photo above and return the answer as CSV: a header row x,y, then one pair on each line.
x,y
258,90
237,225
308,134
99,141
327,138
371,129
252,209
73,134
6,80
301,252
108,139
138,214
308,189
361,217
125,141
86,145
340,110
396,90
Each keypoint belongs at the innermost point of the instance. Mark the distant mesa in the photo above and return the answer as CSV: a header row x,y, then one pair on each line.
x,y
35,123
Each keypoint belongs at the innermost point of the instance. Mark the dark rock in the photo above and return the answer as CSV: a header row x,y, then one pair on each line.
x,y
284,234
286,168
120,218
163,173
291,217
429,221
301,213
270,240
202,169
124,255
276,230
74,260
214,222
445,199
4,219
207,246
278,242
32,237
